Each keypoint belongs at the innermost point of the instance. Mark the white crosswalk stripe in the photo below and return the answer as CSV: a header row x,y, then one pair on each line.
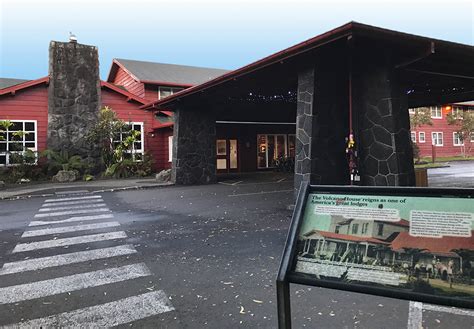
x,y
78,209
67,229
107,315
65,203
71,212
71,219
74,198
28,291
82,206
65,259
68,241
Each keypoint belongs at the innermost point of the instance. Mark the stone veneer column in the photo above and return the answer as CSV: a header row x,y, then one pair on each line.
x,y
73,98
194,147
386,155
321,126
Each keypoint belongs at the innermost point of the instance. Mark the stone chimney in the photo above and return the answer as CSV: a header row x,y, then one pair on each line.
x,y
73,98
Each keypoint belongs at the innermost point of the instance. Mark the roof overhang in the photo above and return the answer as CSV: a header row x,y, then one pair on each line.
x,y
452,60
28,84
130,96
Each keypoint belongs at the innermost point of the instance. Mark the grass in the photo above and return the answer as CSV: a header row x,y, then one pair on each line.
x,y
431,165
445,159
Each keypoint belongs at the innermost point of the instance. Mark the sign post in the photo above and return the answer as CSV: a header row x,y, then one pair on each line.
x,y
408,243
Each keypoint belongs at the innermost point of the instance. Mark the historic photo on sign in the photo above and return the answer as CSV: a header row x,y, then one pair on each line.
x,y
417,244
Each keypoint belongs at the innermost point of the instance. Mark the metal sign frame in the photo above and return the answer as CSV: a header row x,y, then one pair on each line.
x,y
286,275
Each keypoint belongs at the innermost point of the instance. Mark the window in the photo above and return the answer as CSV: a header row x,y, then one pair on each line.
x,y
421,137
337,229
365,228
436,112
136,150
167,91
291,146
413,136
170,148
437,138
472,136
379,229
355,228
269,148
221,147
457,140
17,138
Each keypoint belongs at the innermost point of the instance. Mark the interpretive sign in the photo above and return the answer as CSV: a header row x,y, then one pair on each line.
x,y
409,243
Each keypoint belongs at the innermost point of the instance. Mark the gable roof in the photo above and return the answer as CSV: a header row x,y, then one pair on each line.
x,y
117,89
166,74
8,82
350,29
23,85
440,246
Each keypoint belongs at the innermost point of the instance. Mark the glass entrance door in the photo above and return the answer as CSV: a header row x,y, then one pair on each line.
x,y
227,155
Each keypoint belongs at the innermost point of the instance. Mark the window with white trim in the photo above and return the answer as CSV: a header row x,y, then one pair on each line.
x,y
421,137
164,92
136,149
437,138
436,112
457,140
170,148
413,136
472,137
19,137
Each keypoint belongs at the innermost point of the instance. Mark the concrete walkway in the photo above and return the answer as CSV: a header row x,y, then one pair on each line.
x,y
48,188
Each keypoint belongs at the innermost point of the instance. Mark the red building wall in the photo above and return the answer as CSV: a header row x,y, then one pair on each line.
x,y
448,148
122,78
32,104
129,111
28,104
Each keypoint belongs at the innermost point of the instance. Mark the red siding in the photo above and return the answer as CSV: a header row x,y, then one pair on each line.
x,y
122,78
151,92
28,104
448,148
154,143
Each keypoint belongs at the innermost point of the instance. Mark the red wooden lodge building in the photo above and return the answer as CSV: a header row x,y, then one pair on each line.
x,y
135,90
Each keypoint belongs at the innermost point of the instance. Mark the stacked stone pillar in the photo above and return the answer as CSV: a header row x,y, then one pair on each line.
x,y
385,150
194,146
73,98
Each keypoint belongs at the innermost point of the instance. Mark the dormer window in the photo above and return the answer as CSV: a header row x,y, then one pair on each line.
x,y
164,92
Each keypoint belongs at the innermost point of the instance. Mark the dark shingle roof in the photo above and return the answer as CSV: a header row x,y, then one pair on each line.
x,y
8,82
171,73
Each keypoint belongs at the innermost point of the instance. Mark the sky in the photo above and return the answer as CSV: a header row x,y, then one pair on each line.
x,y
223,34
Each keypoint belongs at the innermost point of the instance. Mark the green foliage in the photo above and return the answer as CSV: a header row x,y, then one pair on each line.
x,y
129,168
25,167
464,122
62,161
103,134
4,125
422,116
114,153
88,178
416,152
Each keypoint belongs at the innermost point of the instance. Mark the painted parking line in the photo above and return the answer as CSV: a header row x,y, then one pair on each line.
x,y
106,315
66,203
82,206
258,193
71,212
34,264
21,247
75,198
28,291
68,229
71,220
415,313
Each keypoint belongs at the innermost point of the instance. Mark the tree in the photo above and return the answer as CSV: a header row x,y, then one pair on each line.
x,y
104,133
421,116
464,122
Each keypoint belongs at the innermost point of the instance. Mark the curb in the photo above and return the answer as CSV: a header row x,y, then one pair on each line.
x,y
115,189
